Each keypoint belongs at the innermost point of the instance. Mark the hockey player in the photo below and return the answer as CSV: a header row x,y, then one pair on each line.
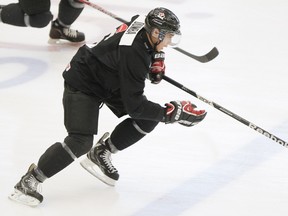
x,y
113,73
36,13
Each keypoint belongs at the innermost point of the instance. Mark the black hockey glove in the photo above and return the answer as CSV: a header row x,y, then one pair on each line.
x,y
183,112
157,68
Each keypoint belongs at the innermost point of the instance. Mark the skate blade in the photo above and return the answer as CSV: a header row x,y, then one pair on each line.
x,y
95,171
19,197
52,41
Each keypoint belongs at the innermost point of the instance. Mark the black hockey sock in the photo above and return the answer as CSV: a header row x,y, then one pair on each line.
x,y
54,159
39,175
125,135
131,131
69,11
111,147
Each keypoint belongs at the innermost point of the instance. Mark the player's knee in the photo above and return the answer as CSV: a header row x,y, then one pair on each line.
x,y
39,20
78,144
12,14
36,12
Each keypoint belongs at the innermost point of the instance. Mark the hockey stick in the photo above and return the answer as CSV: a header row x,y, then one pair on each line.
x,y
229,113
97,7
203,59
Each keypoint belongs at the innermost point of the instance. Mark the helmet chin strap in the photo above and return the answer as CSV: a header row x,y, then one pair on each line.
x,y
151,39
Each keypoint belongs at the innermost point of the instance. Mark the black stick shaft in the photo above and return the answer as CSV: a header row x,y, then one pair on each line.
x,y
228,112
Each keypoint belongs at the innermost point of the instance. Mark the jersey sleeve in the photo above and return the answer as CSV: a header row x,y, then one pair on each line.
x,y
134,66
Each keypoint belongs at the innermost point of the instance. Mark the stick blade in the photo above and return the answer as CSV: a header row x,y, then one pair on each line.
x,y
213,53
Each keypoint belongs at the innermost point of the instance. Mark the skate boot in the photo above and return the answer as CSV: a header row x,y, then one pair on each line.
x,y
58,31
98,162
26,189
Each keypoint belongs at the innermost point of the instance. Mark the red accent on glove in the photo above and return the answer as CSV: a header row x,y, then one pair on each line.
x,y
169,108
157,70
183,112
189,108
158,67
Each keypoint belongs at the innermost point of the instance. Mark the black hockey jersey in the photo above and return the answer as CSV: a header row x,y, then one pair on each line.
x,y
117,67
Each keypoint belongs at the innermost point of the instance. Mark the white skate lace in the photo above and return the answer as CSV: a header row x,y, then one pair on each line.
x,y
70,32
106,156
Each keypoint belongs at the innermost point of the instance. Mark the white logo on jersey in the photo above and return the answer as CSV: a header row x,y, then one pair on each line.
x,y
129,35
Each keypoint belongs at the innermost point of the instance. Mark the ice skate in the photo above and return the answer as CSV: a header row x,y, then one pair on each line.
x,y
25,191
98,163
58,32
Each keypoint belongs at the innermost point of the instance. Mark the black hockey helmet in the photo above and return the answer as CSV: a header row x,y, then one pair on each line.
x,y
164,20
